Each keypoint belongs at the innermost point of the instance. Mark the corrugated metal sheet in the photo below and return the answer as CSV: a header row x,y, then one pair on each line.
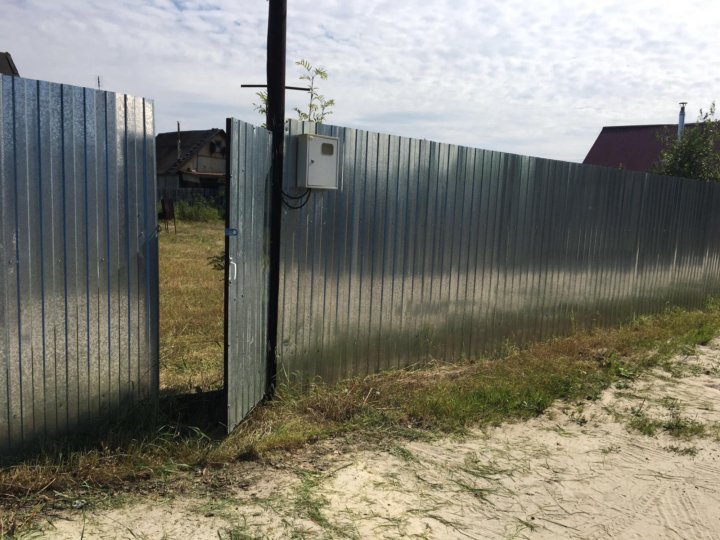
x,y
78,257
246,268
431,250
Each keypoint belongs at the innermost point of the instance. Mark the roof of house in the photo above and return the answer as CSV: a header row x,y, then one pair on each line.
x,y
635,148
191,142
7,66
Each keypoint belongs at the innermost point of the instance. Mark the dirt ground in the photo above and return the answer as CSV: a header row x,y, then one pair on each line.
x,y
641,462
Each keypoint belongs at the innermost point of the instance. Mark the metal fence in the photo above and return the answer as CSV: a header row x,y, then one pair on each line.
x,y
246,268
431,250
78,257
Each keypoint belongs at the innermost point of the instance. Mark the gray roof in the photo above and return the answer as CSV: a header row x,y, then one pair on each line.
x,y
7,66
190,144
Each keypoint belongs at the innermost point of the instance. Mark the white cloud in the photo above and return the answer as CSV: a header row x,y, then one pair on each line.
x,y
537,78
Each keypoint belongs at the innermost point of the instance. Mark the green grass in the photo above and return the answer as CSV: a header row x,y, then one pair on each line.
x,y
641,422
683,428
308,501
197,210
676,426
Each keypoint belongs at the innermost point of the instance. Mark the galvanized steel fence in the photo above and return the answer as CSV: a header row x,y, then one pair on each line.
x,y
246,268
431,250
78,257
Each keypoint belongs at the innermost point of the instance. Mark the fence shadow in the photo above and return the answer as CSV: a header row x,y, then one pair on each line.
x,y
205,411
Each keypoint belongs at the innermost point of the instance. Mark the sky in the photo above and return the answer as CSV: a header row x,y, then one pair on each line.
x,y
534,77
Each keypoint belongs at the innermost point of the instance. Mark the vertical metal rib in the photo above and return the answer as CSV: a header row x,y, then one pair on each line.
x,y
435,251
246,336
70,333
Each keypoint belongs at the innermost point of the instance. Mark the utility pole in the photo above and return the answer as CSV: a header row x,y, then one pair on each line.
x,y
277,19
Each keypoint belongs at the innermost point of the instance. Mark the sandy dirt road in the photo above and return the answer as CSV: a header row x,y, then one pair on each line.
x,y
641,462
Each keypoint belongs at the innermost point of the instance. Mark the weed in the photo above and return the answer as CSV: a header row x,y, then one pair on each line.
x,y
403,453
217,261
235,532
641,422
713,431
481,493
307,501
221,507
671,404
683,450
678,369
488,470
683,428
197,210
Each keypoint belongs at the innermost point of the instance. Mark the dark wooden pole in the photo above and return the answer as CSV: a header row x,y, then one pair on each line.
x,y
277,17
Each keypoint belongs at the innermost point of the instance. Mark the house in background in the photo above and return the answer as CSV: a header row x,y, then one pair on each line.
x,y
7,66
191,164
635,148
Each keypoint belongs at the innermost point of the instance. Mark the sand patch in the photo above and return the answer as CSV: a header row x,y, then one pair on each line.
x,y
581,470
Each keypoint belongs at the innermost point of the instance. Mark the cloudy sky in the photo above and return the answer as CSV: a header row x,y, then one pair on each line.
x,y
536,77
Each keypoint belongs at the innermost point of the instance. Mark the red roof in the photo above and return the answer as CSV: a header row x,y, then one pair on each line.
x,y
636,148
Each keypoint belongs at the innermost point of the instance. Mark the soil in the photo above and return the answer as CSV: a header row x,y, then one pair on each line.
x,y
593,469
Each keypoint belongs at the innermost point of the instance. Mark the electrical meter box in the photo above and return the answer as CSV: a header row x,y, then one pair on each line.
x,y
318,166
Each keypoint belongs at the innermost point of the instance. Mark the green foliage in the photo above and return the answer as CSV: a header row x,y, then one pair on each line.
x,y
197,210
695,154
217,261
262,107
318,106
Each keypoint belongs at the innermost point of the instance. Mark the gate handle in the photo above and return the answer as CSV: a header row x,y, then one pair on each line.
x,y
233,271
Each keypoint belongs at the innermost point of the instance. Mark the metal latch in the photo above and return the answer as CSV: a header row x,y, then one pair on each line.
x,y
232,273
231,232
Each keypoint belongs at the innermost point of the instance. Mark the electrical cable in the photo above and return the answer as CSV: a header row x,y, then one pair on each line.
x,y
293,207
295,197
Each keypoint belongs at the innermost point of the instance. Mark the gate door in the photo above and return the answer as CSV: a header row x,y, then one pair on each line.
x,y
246,267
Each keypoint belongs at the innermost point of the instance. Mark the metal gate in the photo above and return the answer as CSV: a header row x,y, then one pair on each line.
x,y
246,268
78,258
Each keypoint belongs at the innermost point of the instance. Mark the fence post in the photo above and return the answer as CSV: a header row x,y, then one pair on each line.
x,y
277,17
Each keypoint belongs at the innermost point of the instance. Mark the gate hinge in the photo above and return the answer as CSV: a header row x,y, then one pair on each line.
x,y
231,232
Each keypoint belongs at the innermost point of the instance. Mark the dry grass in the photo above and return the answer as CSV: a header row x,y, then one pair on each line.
x,y
447,399
191,308
407,403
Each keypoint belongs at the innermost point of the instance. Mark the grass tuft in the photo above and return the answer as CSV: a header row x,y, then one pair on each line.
x,y
683,428
683,450
198,210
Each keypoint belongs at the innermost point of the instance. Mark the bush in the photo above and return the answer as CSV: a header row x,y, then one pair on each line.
x,y
197,210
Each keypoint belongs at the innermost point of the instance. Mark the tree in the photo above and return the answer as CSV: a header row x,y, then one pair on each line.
x,y
696,154
318,106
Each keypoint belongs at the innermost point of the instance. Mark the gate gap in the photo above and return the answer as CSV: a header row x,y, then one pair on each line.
x,y
191,265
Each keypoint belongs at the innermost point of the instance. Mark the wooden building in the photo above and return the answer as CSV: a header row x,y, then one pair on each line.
x,y
191,160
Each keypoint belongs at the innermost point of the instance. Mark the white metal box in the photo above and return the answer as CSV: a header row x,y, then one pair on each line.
x,y
318,166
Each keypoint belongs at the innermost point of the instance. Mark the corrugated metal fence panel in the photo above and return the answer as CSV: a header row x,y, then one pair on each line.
x,y
431,250
78,257
247,271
